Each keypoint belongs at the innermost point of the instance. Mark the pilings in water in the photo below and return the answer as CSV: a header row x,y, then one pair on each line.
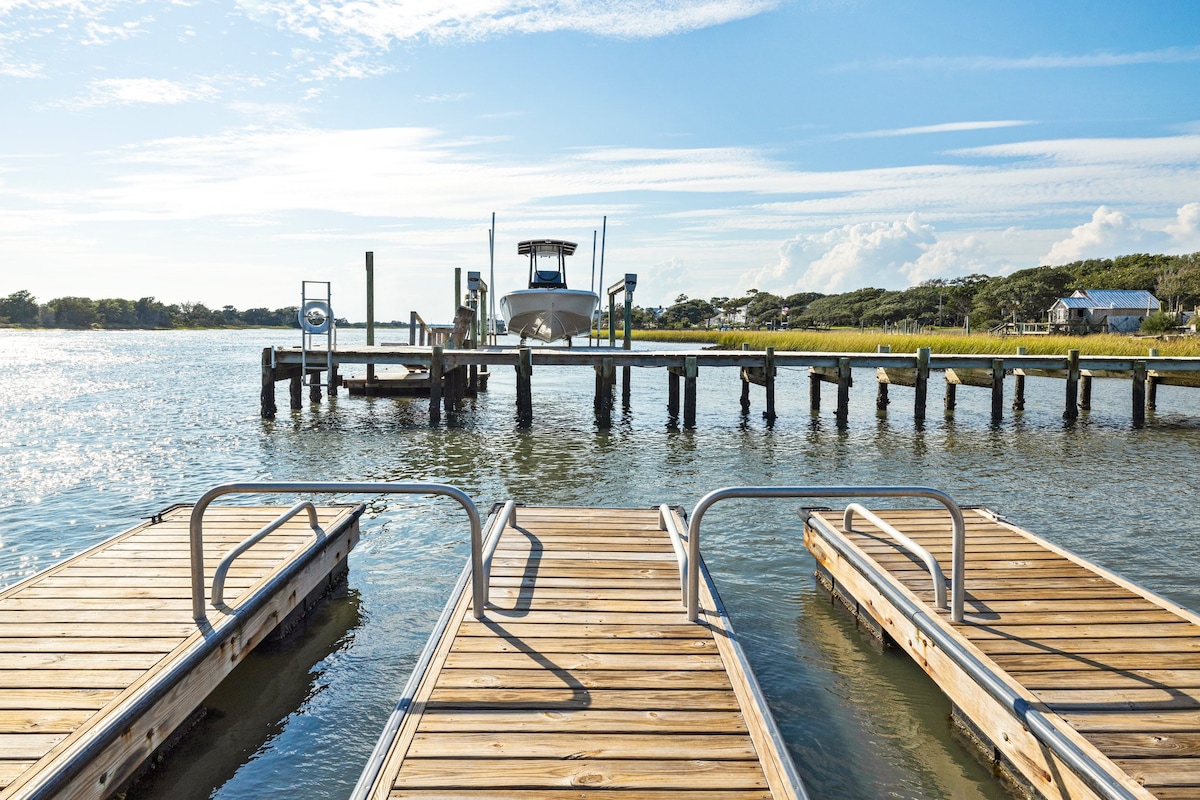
x,y
449,370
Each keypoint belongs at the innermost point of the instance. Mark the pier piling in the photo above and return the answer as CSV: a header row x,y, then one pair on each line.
x,y
1072,408
436,376
844,382
1019,386
295,392
603,404
689,392
524,389
1139,393
997,390
266,395
673,396
922,384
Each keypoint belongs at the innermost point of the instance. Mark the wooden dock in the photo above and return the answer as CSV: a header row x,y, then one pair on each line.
x,y
1110,666
583,679
101,657
450,374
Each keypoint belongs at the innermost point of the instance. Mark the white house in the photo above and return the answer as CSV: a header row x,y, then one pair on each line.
x,y
1111,310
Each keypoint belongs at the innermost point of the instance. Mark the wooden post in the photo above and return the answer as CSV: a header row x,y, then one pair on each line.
x,y
769,375
605,378
997,390
1072,408
1019,387
951,397
1152,385
335,380
524,390
881,395
295,390
843,392
371,314
1139,393
435,385
1085,392
745,384
673,395
689,392
314,387
814,393
626,374
922,386
266,396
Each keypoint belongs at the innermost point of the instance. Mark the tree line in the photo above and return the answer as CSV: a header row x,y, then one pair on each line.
x,y
1023,296
22,308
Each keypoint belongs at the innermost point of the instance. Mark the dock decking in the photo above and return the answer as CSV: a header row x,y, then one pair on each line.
x,y
1114,667
585,677
101,658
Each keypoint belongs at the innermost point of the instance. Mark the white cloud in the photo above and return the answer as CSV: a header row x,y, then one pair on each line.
x,y
1185,229
887,255
1109,233
142,91
945,127
1166,55
382,21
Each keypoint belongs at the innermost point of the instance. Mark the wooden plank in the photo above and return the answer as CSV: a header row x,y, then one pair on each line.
x,y
581,745
596,773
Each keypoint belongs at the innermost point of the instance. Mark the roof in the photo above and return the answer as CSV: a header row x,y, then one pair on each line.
x,y
1118,298
524,248
1074,302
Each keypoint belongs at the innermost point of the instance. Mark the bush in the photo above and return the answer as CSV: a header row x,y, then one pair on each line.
x,y
1159,322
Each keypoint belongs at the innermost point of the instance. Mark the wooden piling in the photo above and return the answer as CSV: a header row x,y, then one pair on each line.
x,y
1139,393
951,397
266,396
1072,408
745,384
769,378
314,387
603,404
1085,392
1152,385
881,394
436,374
843,391
296,392
335,380
673,395
922,385
689,392
814,393
1019,386
997,390
626,391
524,389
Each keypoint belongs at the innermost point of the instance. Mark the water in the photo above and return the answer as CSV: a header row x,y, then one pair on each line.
x,y
99,429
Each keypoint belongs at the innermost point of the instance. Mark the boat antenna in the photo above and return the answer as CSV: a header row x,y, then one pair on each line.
x,y
492,278
600,288
594,288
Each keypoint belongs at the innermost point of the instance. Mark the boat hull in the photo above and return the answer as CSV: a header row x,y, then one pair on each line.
x,y
548,314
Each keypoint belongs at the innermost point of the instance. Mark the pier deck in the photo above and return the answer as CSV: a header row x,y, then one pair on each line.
x,y
101,658
584,677
1114,667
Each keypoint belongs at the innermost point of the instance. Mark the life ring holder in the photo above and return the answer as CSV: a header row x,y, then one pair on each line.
x,y
316,317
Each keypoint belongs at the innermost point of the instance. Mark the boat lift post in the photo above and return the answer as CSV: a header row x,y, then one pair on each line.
x,y
316,319
626,285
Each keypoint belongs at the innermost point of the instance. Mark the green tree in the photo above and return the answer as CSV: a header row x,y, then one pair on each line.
x,y
19,308
74,312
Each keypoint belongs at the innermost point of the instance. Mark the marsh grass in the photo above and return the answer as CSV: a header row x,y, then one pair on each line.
x,y
851,341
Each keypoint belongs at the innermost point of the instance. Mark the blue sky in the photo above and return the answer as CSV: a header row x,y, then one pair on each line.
x,y
222,152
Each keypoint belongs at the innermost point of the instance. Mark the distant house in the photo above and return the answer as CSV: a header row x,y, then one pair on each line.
x,y
1108,310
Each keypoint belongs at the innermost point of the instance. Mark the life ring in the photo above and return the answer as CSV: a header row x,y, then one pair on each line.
x,y
316,317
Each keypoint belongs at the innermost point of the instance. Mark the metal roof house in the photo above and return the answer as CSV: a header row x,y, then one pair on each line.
x,y
1105,310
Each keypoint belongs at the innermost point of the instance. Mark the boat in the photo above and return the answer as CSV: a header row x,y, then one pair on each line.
x,y
548,310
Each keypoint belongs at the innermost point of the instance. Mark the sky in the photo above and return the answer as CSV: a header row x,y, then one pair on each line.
x,y
224,151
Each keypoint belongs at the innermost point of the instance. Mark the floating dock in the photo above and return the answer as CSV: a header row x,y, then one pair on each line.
x,y
102,657
583,677
1077,682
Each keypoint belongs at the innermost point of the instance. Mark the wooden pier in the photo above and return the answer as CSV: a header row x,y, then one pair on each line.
x,y
1110,667
449,375
584,678
101,657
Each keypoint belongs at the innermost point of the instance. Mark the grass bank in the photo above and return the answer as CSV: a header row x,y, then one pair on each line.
x,y
851,341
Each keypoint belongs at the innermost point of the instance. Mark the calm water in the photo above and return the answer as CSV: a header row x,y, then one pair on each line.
x,y
99,429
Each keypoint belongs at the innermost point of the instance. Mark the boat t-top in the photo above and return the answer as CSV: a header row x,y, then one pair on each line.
x,y
548,310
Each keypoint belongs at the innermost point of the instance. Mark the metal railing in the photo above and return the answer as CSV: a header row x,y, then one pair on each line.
x,y
1084,765
931,563
740,492
666,522
491,538
218,584
196,525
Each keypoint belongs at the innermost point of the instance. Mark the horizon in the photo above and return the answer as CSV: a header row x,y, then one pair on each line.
x,y
218,153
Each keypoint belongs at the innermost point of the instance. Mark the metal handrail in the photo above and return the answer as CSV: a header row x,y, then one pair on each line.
x,y
506,517
196,524
666,521
1088,770
931,563
692,593
218,584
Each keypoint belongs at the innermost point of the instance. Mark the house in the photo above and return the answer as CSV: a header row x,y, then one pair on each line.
x,y
1107,310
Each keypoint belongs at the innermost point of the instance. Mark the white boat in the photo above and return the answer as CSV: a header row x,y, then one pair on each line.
x,y
548,310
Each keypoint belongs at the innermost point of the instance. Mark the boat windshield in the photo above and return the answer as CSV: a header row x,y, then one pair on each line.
x,y
547,267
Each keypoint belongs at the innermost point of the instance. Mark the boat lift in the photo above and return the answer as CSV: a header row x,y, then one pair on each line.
x,y
316,319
